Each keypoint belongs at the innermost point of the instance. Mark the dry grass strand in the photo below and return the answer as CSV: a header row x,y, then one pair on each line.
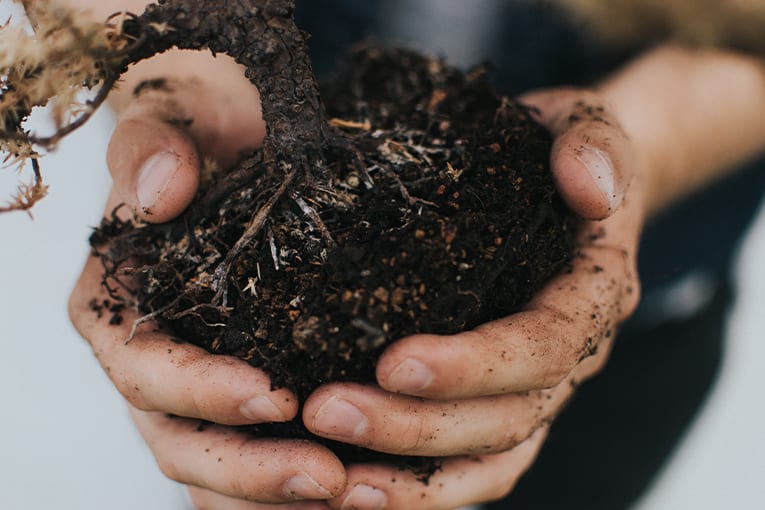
x,y
50,65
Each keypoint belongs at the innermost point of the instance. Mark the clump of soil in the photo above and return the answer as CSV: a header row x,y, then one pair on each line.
x,y
433,211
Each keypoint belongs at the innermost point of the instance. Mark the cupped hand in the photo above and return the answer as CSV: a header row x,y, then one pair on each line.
x,y
154,156
488,394
483,398
172,386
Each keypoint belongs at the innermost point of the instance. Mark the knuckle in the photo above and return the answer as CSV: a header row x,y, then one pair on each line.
x,y
169,468
200,502
563,332
551,381
416,436
556,372
199,499
196,405
82,311
501,490
510,438
129,388
74,309
241,488
132,393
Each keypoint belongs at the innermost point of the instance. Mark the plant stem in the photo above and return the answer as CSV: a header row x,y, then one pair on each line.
x,y
262,36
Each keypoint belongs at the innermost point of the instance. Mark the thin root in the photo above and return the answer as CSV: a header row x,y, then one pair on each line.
x,y
315,218
150,317
253,229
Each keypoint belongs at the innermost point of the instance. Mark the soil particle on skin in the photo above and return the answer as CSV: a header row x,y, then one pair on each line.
x,y
154,84
105,305
433,211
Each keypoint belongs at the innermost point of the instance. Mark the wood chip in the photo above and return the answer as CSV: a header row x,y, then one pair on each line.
x,y
349,124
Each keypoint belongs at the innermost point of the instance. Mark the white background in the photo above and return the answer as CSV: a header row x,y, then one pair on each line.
x,y
65,438
66,441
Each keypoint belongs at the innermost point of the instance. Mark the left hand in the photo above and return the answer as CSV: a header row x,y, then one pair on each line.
x,y
483,398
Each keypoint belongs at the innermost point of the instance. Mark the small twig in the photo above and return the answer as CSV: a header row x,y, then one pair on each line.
x,y
193,240
253,229
412,201
28,194
361,168
120,283
251,287
194,311
366,327
274,251
315,218
92,104
375,336
151,316
349,124
229,182
129,49
343,143
222,310
112,292
48,142
36,171
138,322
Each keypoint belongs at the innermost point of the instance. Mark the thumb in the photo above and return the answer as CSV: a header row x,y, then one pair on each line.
x,y
591,157
156,149
155,168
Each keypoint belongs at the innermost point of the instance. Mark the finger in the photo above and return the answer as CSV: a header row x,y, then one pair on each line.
x,y
538,347
372,418
153,372
461,481
233,464
155,150
204,499
591,158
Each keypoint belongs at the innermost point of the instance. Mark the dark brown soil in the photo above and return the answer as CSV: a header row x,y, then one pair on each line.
x,y
434,212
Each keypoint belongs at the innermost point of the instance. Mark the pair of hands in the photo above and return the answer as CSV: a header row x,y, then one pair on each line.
x,y
482,399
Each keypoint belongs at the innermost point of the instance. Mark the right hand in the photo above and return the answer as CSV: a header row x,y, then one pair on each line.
x,y
171,386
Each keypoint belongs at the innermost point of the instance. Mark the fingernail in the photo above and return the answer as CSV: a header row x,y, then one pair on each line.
x,y
364,497
410,375
261,410
154,176
598,164
302,486
340,418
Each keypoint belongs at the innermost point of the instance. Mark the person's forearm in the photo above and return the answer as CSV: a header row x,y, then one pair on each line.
x,y
693,115
223,73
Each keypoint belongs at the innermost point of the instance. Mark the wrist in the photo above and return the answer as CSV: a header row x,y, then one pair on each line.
x,y
691,115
